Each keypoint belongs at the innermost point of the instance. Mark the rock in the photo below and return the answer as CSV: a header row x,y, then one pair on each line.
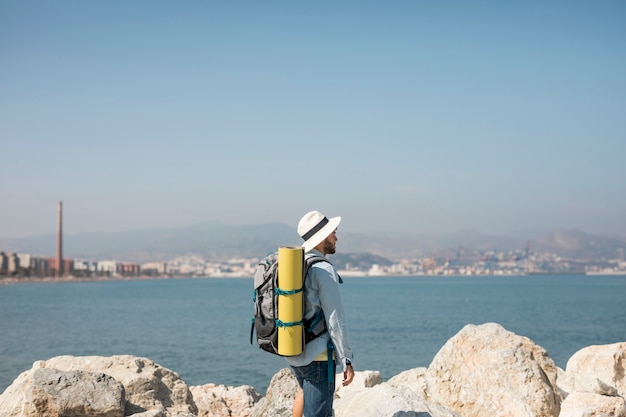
x,y
50,392
151,413
220,400
149,388
386,400
488,371
278,400
562,383
481,371
588,404
414,379
599,369
362,380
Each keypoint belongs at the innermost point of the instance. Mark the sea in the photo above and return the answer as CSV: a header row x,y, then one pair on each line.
x,y
200,327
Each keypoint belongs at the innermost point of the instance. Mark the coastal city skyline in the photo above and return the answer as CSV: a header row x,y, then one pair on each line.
x,y
428,118
20,265
25,266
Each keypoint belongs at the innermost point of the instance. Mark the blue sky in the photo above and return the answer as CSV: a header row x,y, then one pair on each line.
x,y
413,116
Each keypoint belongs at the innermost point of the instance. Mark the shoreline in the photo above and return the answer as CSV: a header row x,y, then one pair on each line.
x,y
53,280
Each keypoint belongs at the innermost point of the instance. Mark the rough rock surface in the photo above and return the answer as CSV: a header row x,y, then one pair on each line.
x,y
562,383
148,386
361,381
278,400
588,404
50,392
414,379
386,400
488,371
221,400
599,368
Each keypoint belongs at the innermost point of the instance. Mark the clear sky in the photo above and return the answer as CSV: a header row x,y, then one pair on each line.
x,y
414,116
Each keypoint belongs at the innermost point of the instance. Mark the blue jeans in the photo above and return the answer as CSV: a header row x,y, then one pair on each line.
x,y
318,391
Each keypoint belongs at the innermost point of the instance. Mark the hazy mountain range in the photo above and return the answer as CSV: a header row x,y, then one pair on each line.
x,y
215,241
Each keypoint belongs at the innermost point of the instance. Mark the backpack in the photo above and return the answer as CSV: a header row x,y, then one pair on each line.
x,y
265,321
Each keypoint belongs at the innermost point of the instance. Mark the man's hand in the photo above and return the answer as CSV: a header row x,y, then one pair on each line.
x,y
348,376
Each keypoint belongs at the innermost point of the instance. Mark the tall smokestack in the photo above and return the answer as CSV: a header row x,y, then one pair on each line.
x,y
60,240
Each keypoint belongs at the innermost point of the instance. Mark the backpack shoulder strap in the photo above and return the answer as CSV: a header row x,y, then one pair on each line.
x,y
312,260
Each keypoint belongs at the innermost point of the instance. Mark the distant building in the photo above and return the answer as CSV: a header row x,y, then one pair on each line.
x,y
67,265
4,263
154,268
26,260
13,264
83,267
114,268
107,268
29,264
128,269
43,268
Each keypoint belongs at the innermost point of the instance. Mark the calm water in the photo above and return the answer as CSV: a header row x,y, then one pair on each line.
x,y
201,327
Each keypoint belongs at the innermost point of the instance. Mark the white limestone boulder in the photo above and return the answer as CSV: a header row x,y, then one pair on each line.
x,y
599,369
589,404
148,386
386,400
562,383
223,401
50,392
414,379
486,370
361,381
279,397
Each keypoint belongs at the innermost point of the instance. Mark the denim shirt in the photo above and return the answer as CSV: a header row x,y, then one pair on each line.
x,y
322,292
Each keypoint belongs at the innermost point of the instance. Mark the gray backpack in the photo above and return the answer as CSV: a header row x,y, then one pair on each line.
x,y
266,291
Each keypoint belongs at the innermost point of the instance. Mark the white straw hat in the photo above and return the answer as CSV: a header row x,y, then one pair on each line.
x,y
314,227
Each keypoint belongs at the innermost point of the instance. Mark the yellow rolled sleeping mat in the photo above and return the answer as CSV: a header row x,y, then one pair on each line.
x,y
290,300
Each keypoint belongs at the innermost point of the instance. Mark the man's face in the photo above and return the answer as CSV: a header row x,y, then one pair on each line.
x,y
330,243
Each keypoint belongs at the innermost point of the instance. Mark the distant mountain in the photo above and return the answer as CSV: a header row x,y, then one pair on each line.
x,y
580,245
398,246
215,241
211,240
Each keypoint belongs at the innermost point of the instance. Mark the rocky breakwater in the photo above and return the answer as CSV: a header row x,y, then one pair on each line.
x,y
90,386
483,371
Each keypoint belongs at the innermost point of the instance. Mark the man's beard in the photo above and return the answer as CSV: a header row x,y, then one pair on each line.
x,y
329,247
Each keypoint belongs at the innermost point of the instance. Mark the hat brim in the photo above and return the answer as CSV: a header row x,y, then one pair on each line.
x,y
322,234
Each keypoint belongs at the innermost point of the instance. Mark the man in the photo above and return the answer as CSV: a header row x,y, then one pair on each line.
x,y
315,367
